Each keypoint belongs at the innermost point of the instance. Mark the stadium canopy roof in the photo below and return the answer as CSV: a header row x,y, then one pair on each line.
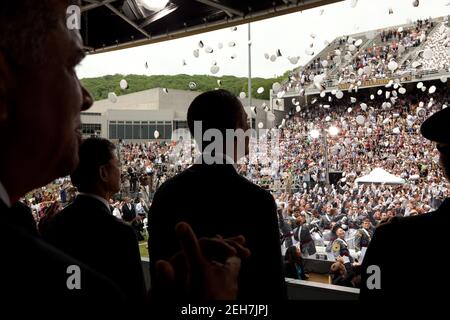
x,y
108,25
378,176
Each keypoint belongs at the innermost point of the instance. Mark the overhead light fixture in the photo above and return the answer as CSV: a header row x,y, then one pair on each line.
x,y
147,11
153,5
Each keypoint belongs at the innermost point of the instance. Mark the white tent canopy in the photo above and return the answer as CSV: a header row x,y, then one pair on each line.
x,y
379,175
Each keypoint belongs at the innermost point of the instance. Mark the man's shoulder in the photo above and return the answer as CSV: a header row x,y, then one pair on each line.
x,y
49,269
395,225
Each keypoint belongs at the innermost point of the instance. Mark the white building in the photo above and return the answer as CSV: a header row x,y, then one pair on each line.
x,y
138,115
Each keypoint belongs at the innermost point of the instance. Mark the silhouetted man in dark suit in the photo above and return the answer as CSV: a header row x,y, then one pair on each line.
x,y
215,199
40,104
400,245
87,230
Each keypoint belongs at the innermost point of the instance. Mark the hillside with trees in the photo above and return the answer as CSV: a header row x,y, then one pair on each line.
x,y
100,87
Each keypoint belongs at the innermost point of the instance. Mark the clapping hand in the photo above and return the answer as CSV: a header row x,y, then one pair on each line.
x,y
205,269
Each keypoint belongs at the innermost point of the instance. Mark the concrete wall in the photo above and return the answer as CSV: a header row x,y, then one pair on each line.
x,y
296,289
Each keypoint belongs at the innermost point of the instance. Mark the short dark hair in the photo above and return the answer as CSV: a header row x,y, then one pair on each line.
x,y
24,26
217,109
93,153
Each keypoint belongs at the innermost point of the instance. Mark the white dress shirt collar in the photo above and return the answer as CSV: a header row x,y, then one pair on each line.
x,y
4,196
102,200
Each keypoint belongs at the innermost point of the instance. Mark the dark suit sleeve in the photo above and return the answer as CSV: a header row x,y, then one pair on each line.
x,y
268,249
128,265
381,253
158,229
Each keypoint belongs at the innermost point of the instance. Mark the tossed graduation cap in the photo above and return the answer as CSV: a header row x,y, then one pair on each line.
x,y
358,42
360,119
380,92
391,11
294,60
279,53
421,112
214,69
352,99
234,56
273,58
443,79
416,64
220,45
339,94
184,62
219,82
192,85
325,63
353,3
233,28
260,90
196,53
392,65
166,91
200,44
432,90
112,97
231,44
267,56
309,52
123,84
276,87
415,3
146,65
242,95
419,85
209,50
156,134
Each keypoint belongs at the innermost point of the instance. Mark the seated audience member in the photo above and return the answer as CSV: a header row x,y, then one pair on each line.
x,y
397,243
215,199
293,264
345,274
87,230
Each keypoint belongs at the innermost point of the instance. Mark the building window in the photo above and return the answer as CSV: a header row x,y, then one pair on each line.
x,y
121,130
144,130
151,130
113,130
137,130
91,114
180,125
128,130
91,129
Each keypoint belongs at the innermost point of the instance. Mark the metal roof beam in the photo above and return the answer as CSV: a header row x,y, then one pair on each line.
x,y
125,18
228,10
95,4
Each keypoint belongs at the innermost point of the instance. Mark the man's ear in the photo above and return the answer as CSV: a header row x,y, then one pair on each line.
x,y
103,173
5,79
